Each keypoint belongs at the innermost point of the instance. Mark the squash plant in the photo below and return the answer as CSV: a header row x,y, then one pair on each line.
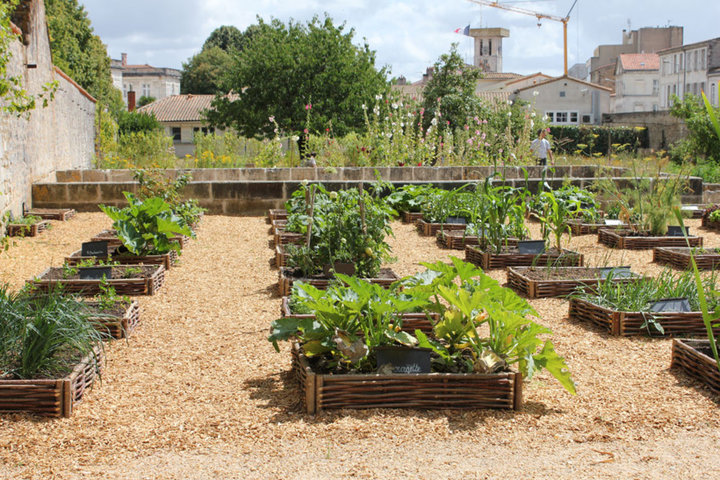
x,y
145,227
411,198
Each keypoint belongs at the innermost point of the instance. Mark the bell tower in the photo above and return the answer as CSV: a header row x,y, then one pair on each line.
x,y
488,48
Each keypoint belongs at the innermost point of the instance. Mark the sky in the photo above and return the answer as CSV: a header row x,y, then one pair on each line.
x,y
408,35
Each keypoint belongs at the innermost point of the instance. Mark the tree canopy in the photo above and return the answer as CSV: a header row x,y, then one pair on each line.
x,y
205,72
304,75
453,84
79,52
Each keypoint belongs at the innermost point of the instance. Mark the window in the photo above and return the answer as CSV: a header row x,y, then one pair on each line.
x,y
551,116
562,117
702,86
562,93
713,92
702,59
655,107
177,134
573,117
481,47
205,130
586,118
656,87
489,47
146,90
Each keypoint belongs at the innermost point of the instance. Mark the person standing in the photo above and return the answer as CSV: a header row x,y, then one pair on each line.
x,y
542,149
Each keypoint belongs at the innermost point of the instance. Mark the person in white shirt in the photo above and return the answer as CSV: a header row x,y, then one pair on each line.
x,y
542,149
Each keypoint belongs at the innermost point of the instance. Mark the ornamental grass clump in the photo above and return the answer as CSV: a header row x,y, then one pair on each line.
x,y
44,336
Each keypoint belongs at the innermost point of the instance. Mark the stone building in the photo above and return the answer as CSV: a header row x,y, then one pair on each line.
x,y
637,83
60,136
488,48
144,80
690,69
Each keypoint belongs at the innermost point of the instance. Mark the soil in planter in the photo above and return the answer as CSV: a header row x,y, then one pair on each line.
x,y
117,273
559,273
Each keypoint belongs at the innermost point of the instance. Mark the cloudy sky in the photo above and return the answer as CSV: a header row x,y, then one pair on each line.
x,y
408,35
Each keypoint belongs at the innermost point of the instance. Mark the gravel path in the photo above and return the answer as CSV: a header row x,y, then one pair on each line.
x,y
197,392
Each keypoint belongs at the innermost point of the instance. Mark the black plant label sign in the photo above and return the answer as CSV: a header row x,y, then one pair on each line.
x,y
531,246
671,305
94,249
95,273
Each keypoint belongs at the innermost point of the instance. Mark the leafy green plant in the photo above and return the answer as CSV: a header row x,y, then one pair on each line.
x,y
411,198
44,335
555,215
156,183
132,272
108,298
146,227
69,271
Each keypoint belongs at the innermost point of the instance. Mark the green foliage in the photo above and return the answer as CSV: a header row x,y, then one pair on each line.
x,y
150,149
285,68
137,122
44,336
145,100
702,141
108,299
411,198
145,227
452,88
589,140
155,183
205,72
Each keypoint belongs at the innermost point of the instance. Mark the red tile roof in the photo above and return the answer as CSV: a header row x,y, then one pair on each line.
x,y
179,108
639,61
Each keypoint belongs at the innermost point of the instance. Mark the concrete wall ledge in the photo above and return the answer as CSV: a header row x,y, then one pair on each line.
x,y
255,197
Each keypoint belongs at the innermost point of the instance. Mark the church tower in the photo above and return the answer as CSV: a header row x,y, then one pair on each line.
x,y
488,48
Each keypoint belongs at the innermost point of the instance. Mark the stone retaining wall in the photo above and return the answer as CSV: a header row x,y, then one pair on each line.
x,y
253,198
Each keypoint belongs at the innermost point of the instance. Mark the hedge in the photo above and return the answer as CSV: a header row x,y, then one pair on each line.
x,y
594,139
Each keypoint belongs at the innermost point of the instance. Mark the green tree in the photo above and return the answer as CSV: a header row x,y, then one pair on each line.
x,y
452,89
144,100
304,75
205,72
79,52
137,122
701,141
226,38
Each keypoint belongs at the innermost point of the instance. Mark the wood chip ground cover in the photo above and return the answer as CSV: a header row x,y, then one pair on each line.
x,y
197,392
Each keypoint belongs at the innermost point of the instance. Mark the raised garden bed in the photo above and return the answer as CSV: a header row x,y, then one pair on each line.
x,y
694,358
147,282
631,240
421,390
457,240
543,282
280,256
709,224
166,259
276,214
410,321
694,211
679,257
60,214
51,397
427,229
510,257
282,237
578,227
287,277
111,237
119,322
21,230
411,217
631,323
277,224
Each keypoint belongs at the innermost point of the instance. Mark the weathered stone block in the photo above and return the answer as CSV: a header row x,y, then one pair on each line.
x,y
329,174
110,192
94,176
219,191
425,174
199,190
68,176
400,174
83,192
43,193
303,173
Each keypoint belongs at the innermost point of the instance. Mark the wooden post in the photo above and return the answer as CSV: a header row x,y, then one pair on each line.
x,y
310,202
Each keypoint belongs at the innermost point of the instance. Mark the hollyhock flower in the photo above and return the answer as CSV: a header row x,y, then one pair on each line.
x,y
271,118
308,106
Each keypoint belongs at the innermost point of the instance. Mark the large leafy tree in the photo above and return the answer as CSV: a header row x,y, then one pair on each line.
x,y
452,86
79,52
205,72
286,71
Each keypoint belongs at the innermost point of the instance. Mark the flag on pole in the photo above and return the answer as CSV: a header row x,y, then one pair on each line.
x,y
465,31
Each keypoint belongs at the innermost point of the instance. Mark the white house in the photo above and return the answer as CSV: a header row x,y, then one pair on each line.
x,y
144,80
690,69
567,101
637,83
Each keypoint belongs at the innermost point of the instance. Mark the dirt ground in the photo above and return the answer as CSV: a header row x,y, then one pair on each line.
x,y
198,393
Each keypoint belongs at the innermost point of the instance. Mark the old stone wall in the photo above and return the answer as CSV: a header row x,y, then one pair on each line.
x,y
663,129
58,137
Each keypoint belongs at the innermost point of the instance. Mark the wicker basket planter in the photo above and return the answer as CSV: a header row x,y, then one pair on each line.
x,y
281,237
421,390
111,237
627,239
556,281
511,258
411,217
679,257
385,278
427,229
410,321
147,283
709,224
631,323
276,214
694,358
457,240
277,224
60,214
19,230
166,259
577,227
280,256
51,397
119,323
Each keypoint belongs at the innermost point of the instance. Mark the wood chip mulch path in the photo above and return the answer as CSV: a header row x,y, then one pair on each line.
x,y
198,393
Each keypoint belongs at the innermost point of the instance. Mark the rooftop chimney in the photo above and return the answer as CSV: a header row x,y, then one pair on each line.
x,y
131,100
124,59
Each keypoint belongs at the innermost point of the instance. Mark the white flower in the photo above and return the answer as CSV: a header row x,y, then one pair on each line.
x,y
378,97
535,93
509,102
433,121
532,123
376,110
304,183
395,106
532,114
509,114
545,118
364,107
294,138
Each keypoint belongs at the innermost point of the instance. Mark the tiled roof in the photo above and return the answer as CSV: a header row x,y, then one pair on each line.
x,y
640,61
528,77
491,96
566,78
500,75
179,108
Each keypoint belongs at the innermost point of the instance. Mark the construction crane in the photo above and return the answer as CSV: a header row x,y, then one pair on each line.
x,y
564,20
